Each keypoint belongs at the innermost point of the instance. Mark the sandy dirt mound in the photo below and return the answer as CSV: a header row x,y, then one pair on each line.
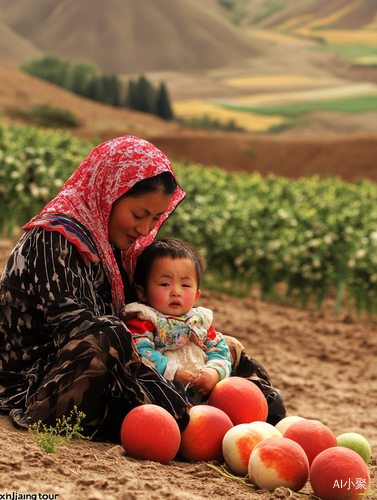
x,y
324,365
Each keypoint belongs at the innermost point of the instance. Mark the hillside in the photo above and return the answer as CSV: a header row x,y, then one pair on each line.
x,y
345,152
337,14
317,14
129,36
14,48
19,89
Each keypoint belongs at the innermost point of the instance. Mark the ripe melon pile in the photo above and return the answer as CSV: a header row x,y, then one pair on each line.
x,y
233,428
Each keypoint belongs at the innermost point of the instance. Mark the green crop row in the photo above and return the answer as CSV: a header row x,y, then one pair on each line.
x,y
354,54
312,234
360,104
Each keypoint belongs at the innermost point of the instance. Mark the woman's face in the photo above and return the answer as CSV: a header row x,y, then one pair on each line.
x,y
132,217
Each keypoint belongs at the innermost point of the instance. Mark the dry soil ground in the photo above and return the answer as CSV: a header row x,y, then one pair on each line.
x,y
324,365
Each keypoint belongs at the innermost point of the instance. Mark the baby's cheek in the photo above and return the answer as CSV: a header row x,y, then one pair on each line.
x,y
159,296
189,299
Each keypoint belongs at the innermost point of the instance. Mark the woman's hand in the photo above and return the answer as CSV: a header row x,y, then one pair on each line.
x,y
206,381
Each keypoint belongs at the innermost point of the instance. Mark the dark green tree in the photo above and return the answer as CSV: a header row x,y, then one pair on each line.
x,y
147,95
111,88
94,89
50,68
82,75
83,79
163,107
132,99
141,95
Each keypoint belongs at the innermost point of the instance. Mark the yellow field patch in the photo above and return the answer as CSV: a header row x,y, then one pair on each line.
x,y
251,122
342,37
269,80
367,60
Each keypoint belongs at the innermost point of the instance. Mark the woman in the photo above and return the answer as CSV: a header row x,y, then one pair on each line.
x,y
61,340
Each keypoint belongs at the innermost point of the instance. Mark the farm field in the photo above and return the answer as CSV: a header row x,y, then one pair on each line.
x,y
307,63
317,358
342,37
250,122
324,365
272,89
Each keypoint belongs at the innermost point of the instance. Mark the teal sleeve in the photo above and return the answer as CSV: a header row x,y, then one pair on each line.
x,y
218,355
143,334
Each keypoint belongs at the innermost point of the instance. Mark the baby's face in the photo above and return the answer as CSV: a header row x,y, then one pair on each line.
x,y
172,286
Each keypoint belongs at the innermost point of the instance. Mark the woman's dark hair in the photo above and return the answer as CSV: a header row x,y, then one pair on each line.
x,y
167,247
164,182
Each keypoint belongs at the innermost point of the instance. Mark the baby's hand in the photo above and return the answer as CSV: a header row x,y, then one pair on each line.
x,y
207,380
185,376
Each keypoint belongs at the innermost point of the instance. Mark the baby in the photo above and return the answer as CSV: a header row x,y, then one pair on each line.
x,y
176,337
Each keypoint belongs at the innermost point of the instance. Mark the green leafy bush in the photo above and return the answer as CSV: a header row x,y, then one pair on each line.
x,y
312,234
33,167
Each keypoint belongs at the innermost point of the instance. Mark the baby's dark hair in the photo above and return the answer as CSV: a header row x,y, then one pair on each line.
x,y
167,247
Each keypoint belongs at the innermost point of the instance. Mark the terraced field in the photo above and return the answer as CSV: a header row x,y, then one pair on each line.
x,y
251,122
294,74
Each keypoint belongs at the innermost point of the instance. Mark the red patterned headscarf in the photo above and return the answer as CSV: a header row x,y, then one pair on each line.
x,y
107,173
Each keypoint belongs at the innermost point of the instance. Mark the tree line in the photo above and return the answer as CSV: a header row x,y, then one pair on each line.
x,y
83,79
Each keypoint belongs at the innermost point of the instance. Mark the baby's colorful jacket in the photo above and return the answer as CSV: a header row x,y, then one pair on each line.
x,y
177,342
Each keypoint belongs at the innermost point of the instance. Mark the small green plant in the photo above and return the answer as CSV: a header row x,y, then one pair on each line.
x,y
49,438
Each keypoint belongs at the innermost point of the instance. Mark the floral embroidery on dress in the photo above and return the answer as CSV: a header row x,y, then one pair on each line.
x,y
174,331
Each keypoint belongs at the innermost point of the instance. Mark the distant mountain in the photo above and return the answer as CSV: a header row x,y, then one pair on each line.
x,y
316,14
14,48
128,36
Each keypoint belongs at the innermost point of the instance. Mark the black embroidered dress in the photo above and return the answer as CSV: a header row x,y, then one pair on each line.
x,y
62,345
